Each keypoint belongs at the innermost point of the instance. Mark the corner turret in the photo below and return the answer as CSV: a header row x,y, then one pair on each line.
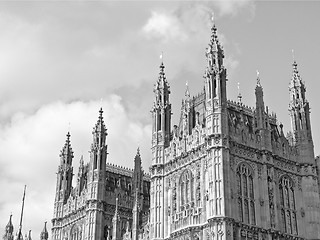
x,y
161,116
97,181
300,117
215,86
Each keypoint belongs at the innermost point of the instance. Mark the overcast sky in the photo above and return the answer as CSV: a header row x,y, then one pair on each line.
x,y
59,59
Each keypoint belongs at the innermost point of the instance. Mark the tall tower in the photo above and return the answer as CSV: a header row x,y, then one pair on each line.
x,y
97,181
44,233
161,125
217,177
8,235
300,117
64,178
300,122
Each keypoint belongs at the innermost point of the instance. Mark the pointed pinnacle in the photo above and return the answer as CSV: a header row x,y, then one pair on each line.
x,y
100,113
258,79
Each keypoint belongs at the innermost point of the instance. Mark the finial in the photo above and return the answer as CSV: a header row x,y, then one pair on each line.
x,y
258,78
281,131
212,18
187,93
68,136
292,50
239,94
69,126
138,151
100,113
161,56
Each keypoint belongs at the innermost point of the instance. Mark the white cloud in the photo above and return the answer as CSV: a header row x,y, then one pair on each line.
x,y
164,26
232,7
30,146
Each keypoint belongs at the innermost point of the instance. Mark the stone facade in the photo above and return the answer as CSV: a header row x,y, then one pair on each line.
x,y
226,171
100,205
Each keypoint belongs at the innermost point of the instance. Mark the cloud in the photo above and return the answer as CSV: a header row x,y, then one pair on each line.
x,y
233,7
30,146
164,26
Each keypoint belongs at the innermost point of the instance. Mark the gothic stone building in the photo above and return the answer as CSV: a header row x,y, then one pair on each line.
x,y
226,171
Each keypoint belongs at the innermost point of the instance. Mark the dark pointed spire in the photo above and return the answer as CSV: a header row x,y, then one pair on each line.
x,y
19,235
9,227
44,233
8,235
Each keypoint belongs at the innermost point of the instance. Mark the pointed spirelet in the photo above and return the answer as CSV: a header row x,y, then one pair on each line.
x,y
100,126
44,233
99,132
187,92
67,152
258,79
9,227
296,79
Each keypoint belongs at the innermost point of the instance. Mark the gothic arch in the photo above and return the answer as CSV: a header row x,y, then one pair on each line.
x,y
248,166
288,218
75,232
245,193
186,187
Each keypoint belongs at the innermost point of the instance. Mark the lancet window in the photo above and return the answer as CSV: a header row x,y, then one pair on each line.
x,y
287,206
186,187
245,194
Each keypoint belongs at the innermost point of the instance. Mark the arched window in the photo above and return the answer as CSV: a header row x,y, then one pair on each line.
x,y
245,194
186,187
75,233
287,206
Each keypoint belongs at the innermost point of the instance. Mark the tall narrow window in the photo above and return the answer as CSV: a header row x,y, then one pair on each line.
x,y
245,192
186,187
287,205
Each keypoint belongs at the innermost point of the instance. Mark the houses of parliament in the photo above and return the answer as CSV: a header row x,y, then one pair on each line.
x,y
225,171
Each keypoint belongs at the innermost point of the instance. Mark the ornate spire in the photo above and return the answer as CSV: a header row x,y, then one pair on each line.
x,y
9,230
100,127
137,172
9,227
99,131
44,234
66,153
